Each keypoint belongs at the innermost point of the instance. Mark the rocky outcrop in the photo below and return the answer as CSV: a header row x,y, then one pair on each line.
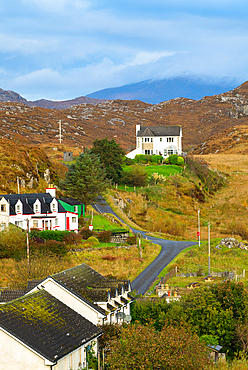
x,y
231,243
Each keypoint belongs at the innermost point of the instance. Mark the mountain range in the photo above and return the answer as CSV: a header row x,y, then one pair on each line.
x,y
157,91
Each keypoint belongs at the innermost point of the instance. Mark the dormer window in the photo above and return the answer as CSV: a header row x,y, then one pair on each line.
x,y
37,206
3,208
76,209
18,207
54,206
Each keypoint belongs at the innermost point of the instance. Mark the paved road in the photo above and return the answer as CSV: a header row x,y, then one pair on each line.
x,y
170,250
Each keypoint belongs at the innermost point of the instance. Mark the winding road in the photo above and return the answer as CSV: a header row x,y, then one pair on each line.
x,y
170,249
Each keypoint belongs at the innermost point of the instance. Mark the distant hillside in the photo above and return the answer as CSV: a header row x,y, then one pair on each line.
x,y
83,123
233,140
11,96
27,165
154,92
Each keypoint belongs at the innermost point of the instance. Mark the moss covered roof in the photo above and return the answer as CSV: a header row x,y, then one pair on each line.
x,y
46,325
88,283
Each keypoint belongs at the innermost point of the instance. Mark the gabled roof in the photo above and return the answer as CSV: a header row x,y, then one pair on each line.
x,y
11,294
87,283
28,201
46,325
71,201
149,131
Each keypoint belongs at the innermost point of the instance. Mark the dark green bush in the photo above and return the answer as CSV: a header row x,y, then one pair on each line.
x,y
58,235
131,240
85,232
156,158
142,158
104,236
173,158
137,176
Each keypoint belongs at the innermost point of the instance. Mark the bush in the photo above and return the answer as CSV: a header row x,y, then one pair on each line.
x,y
85,232
104,236
167,161
13,242
173,158
156,158
58,235
50,246
137,176
93,241
180,161
131,240
142,158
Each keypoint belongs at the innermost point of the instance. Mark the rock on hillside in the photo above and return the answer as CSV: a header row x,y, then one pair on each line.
x,y
28,164
83,123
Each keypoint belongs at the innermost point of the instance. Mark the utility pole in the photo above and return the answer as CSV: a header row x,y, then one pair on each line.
x,y
28,246
60,132
199,228
18,185
209,248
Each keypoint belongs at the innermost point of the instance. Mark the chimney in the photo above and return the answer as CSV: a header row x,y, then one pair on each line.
x,y
51,191
137,129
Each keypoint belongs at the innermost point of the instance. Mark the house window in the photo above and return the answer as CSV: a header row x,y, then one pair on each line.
x,y
36,208
53,207
170,139
142,139
56,221
170,151
74,219
3,208
160,139
18,208
147,152
18,223
147,140
76,209
151,139
35,224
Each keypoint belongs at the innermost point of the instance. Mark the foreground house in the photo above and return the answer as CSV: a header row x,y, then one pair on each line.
x,y
97,298
40,332
159,140
42,211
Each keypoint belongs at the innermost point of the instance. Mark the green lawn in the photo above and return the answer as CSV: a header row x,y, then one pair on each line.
x,y
165,170
101,222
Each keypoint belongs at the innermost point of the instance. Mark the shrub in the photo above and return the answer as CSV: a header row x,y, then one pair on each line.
x,y
137,176
173,158
13,242
50,246
85,232
180,161
104,236
58,235
142,158
156,158
131,240
167,161
93,241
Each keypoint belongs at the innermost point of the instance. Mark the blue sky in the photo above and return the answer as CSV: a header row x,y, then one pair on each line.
x,y
62,49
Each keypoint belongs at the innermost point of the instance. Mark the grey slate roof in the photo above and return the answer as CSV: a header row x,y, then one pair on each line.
x,y
28,201
46,325
149,131
11,294
88,284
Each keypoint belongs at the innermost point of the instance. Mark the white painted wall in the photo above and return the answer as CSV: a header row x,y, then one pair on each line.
x,y
71,301
15,356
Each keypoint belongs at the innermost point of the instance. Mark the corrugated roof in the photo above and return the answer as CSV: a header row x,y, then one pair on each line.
x,y
159,131
46,325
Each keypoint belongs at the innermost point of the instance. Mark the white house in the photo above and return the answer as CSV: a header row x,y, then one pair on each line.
x,y
97,298
40,332
41,210
160,140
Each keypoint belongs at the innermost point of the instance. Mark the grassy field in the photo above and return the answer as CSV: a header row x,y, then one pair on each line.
x,y
165,170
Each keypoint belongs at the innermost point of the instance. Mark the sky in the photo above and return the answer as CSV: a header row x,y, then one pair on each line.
x,y
63,49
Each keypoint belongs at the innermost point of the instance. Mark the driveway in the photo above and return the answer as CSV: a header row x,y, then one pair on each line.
x,y
170,249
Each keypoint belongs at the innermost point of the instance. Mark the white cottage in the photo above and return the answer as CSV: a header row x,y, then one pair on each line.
x,y
159,140
39,332
41,210
97,298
